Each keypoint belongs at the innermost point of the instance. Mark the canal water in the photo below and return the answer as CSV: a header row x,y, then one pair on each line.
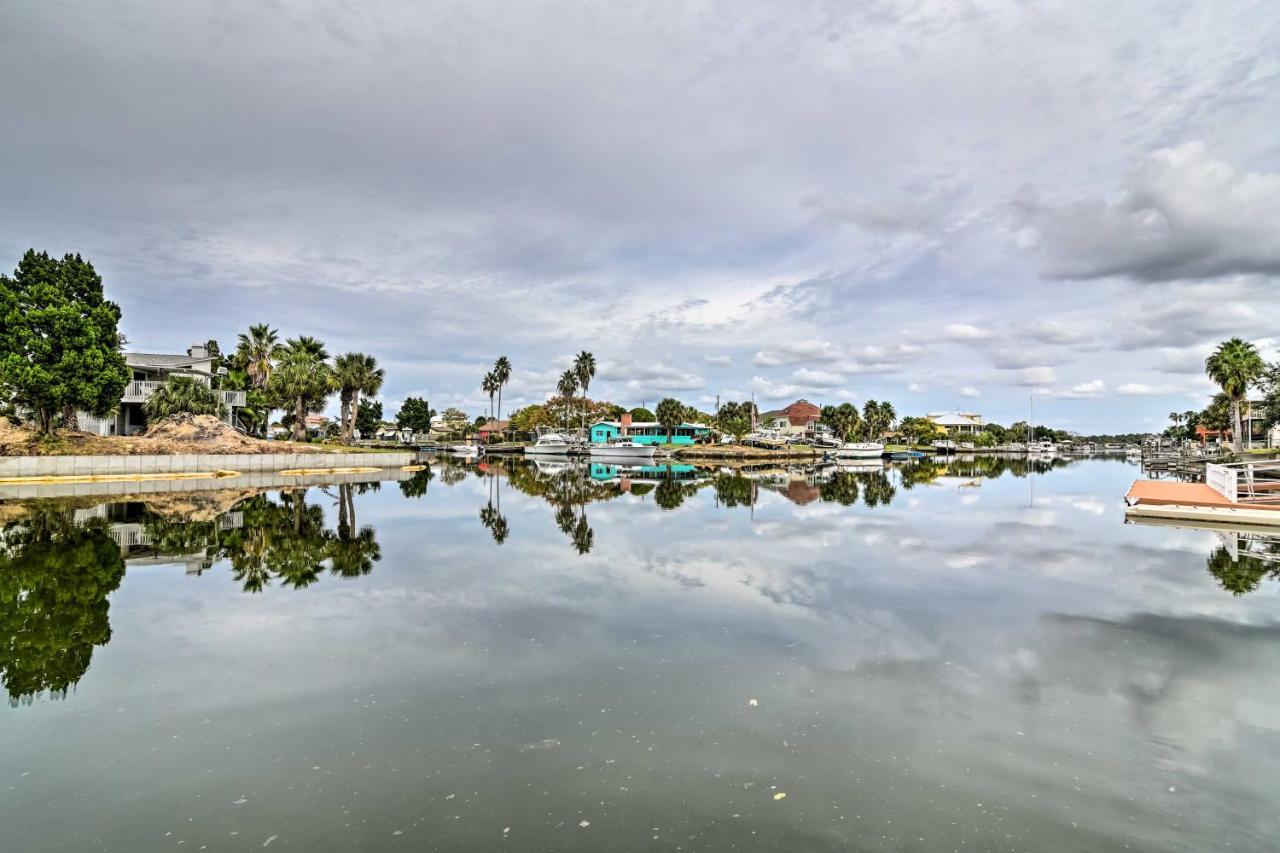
x,y
978,655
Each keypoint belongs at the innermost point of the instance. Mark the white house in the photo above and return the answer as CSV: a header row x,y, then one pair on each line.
x,y
149,372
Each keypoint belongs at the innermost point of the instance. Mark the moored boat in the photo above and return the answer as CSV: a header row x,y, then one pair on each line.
x,y
622,448
859,450
550,444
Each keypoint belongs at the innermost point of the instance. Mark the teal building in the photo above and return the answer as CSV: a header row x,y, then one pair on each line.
x,y
648,432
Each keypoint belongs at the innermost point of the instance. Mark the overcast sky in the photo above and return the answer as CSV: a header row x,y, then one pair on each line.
x,y
948,204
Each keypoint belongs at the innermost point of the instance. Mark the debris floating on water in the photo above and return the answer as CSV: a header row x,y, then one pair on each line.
x,y
781,795
753,703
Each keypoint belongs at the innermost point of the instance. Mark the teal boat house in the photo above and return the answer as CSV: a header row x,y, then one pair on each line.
x,y
647,432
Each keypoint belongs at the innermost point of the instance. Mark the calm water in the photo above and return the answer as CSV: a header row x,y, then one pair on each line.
x,y
515,658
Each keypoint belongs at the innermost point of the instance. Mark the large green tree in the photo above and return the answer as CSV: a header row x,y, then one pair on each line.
x,y
415,415
1235,365
59,340
368,417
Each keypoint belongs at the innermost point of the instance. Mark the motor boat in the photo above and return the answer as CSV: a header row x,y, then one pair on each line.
x,y
944,445
622,448
1042,448
859,450
550,444
465,450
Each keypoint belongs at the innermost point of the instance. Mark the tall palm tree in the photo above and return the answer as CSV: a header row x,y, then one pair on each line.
x,y
567,386
584,368
303,378
490,386
256,350
502,373
355,373
1235,365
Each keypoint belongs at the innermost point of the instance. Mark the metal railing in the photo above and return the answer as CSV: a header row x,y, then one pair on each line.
x,y
139,390
1245,482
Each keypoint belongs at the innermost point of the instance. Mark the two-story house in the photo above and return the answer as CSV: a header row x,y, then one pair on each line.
x,y
149,372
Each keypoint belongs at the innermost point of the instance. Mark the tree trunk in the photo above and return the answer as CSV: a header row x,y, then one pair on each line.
x,y
1237,443
300,419
351,417
44,420
499,402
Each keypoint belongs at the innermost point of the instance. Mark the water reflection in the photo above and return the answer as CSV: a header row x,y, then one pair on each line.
x,y
936,655
55,576
1244,560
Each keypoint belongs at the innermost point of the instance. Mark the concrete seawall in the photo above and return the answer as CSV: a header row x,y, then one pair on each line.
x,y
191,463
259,480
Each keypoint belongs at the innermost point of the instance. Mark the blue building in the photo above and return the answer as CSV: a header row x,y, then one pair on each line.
x,y
647,432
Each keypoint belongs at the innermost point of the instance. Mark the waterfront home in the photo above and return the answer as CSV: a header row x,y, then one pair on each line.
x,y
799,418
1255,433
149,372
957,423
647,432
492,429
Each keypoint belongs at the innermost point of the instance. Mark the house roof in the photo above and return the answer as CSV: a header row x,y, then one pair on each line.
x,y
954,418
635,424
159,359
492,425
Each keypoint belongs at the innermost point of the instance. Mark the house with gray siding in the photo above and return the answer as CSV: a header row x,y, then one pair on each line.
x,y
149,371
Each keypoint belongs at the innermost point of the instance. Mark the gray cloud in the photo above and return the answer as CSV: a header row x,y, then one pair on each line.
x,y
1182,214
691,188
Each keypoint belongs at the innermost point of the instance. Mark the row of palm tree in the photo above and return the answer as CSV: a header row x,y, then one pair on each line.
x,y
297,374
494,381
578,378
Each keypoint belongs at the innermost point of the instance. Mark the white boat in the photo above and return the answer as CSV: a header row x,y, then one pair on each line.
x,y
944,445
1043,448
859,450
622,448
550,444
467,450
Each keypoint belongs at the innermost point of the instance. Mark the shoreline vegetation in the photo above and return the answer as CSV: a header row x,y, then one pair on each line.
x,y
47,390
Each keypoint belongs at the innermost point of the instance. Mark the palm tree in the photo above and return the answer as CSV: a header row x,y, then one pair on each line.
x,y
1235,365
567,386
490,386
355,373
256,350
584,368
887,416
303,378
670,414
183,394
502,373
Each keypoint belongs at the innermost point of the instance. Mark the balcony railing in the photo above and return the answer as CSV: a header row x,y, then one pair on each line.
x,y
138,390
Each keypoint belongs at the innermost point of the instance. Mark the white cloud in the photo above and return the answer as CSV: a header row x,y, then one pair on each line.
x,y
717,361
1093,388
797,353
1137,389
965,332
817,378
970,391
641,376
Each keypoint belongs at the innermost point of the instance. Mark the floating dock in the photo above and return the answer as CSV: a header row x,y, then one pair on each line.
x,y
1245,493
